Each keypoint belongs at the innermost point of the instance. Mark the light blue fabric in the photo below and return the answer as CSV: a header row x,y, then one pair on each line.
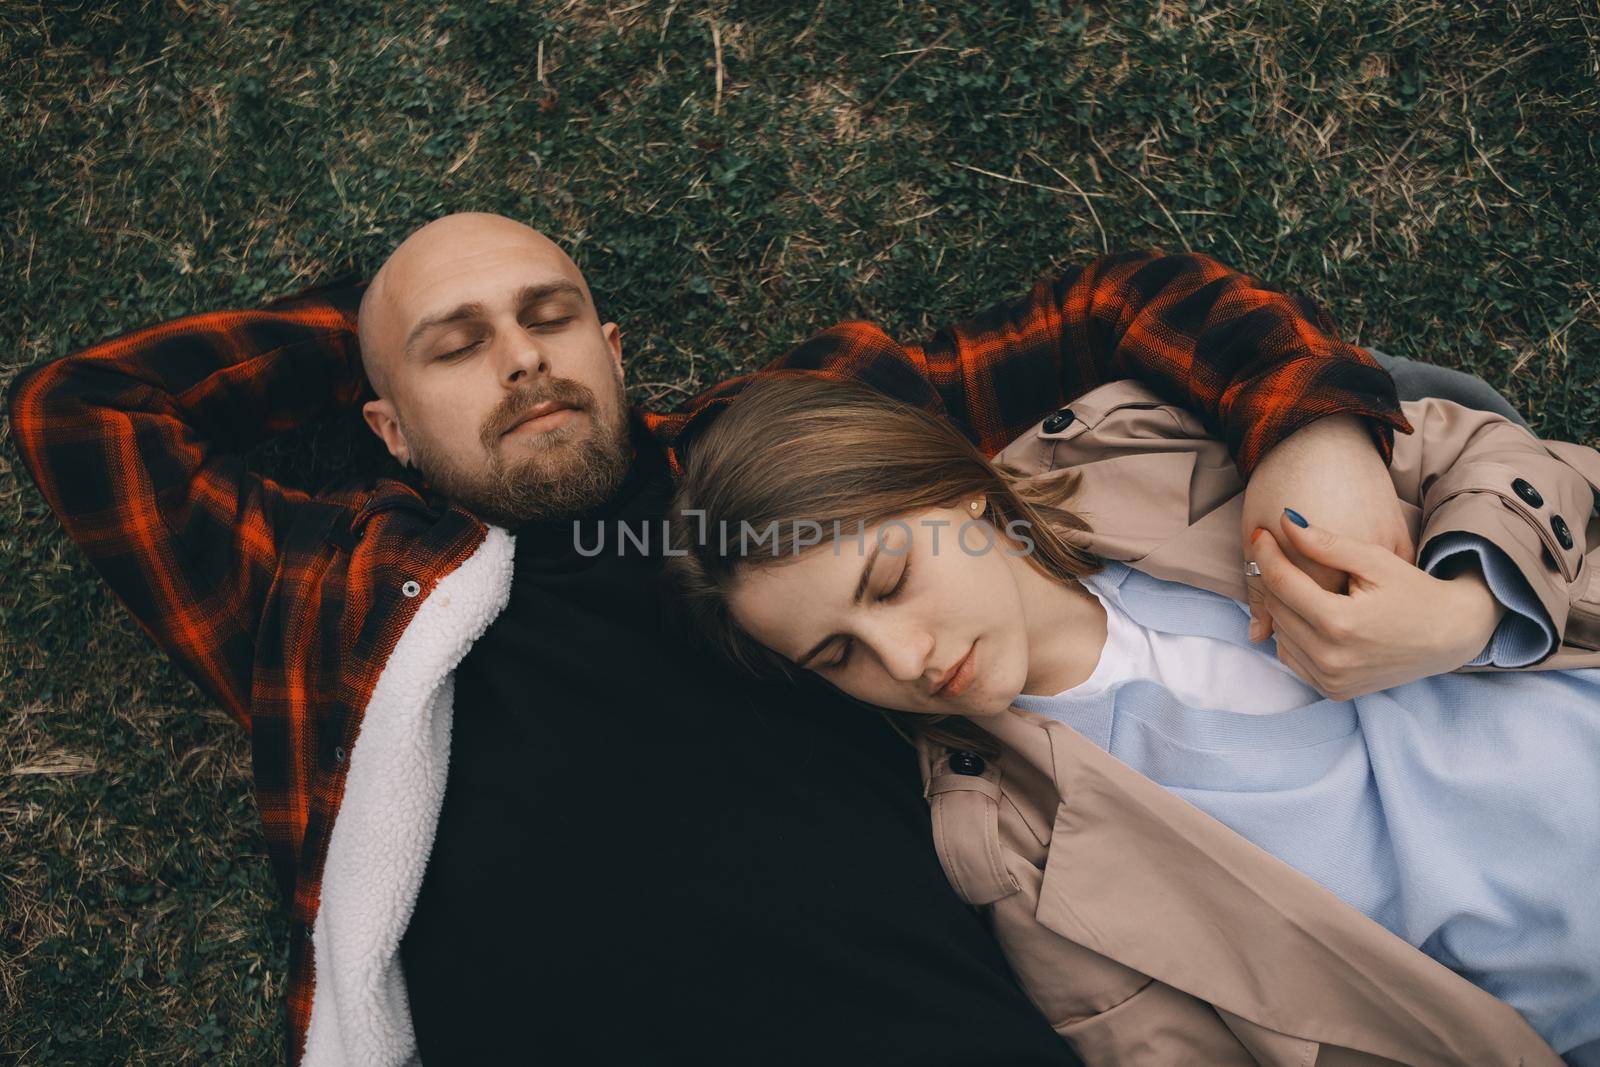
x,y
1462,812
1526,634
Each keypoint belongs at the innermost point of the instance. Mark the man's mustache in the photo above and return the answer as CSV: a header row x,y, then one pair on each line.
x,y
562,391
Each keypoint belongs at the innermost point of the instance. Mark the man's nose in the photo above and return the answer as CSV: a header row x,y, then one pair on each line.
x,y
523,357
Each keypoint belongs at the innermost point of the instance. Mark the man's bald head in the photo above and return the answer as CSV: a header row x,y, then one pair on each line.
x,y
447,243
494,374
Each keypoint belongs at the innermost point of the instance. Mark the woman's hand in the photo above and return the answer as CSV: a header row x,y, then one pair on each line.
x,y
1332,463
1395,624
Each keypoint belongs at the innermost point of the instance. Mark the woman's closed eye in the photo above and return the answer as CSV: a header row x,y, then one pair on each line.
x,y
846,644
900,583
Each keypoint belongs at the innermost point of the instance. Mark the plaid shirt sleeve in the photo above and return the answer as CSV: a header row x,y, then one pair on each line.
x,y
1253,362
138,443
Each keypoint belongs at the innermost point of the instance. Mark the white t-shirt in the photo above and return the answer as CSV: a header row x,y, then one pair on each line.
x,y
1203,672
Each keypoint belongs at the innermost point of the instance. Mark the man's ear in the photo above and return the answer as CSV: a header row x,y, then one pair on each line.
x,y
380,416
613,335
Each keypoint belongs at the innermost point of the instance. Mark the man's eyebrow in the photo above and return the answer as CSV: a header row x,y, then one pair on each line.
x,y
528,294
861,589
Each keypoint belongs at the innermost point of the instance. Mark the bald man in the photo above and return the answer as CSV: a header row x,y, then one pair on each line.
x,y
514,815
494,374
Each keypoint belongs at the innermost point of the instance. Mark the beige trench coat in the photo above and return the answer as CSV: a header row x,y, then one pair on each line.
x,y
1149,933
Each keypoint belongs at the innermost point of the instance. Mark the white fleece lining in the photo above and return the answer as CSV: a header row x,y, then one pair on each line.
x,y
383,831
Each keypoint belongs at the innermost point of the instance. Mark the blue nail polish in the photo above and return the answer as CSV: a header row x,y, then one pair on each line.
x,y
1296,518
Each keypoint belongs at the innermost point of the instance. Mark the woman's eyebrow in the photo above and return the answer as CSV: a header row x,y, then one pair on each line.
x,y
861,590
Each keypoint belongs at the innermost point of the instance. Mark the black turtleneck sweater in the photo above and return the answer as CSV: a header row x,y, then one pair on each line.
x,y
646,857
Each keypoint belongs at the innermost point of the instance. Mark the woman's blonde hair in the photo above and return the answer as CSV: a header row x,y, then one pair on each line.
x,y
800,455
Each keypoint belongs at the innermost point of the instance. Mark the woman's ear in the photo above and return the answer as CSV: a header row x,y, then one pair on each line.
x,y
976,505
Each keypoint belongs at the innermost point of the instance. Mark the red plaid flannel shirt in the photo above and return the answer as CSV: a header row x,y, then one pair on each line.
x,y
284,607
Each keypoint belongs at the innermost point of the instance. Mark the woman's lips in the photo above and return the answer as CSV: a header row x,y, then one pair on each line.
x,y
961,677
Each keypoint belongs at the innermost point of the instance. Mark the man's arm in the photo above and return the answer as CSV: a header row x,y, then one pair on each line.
x,y
1254,363
137,445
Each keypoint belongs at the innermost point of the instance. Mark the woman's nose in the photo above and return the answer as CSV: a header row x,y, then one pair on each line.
x,y
904,652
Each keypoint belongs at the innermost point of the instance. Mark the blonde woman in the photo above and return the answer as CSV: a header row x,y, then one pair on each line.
x,y
1066,701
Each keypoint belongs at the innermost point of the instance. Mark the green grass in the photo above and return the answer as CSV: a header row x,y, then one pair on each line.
x,y
1429,170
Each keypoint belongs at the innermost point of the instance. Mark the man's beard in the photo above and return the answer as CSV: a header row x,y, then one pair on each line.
x,y
570,470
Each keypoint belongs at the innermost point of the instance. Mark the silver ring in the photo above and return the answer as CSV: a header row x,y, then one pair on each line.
x,y
1252,569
